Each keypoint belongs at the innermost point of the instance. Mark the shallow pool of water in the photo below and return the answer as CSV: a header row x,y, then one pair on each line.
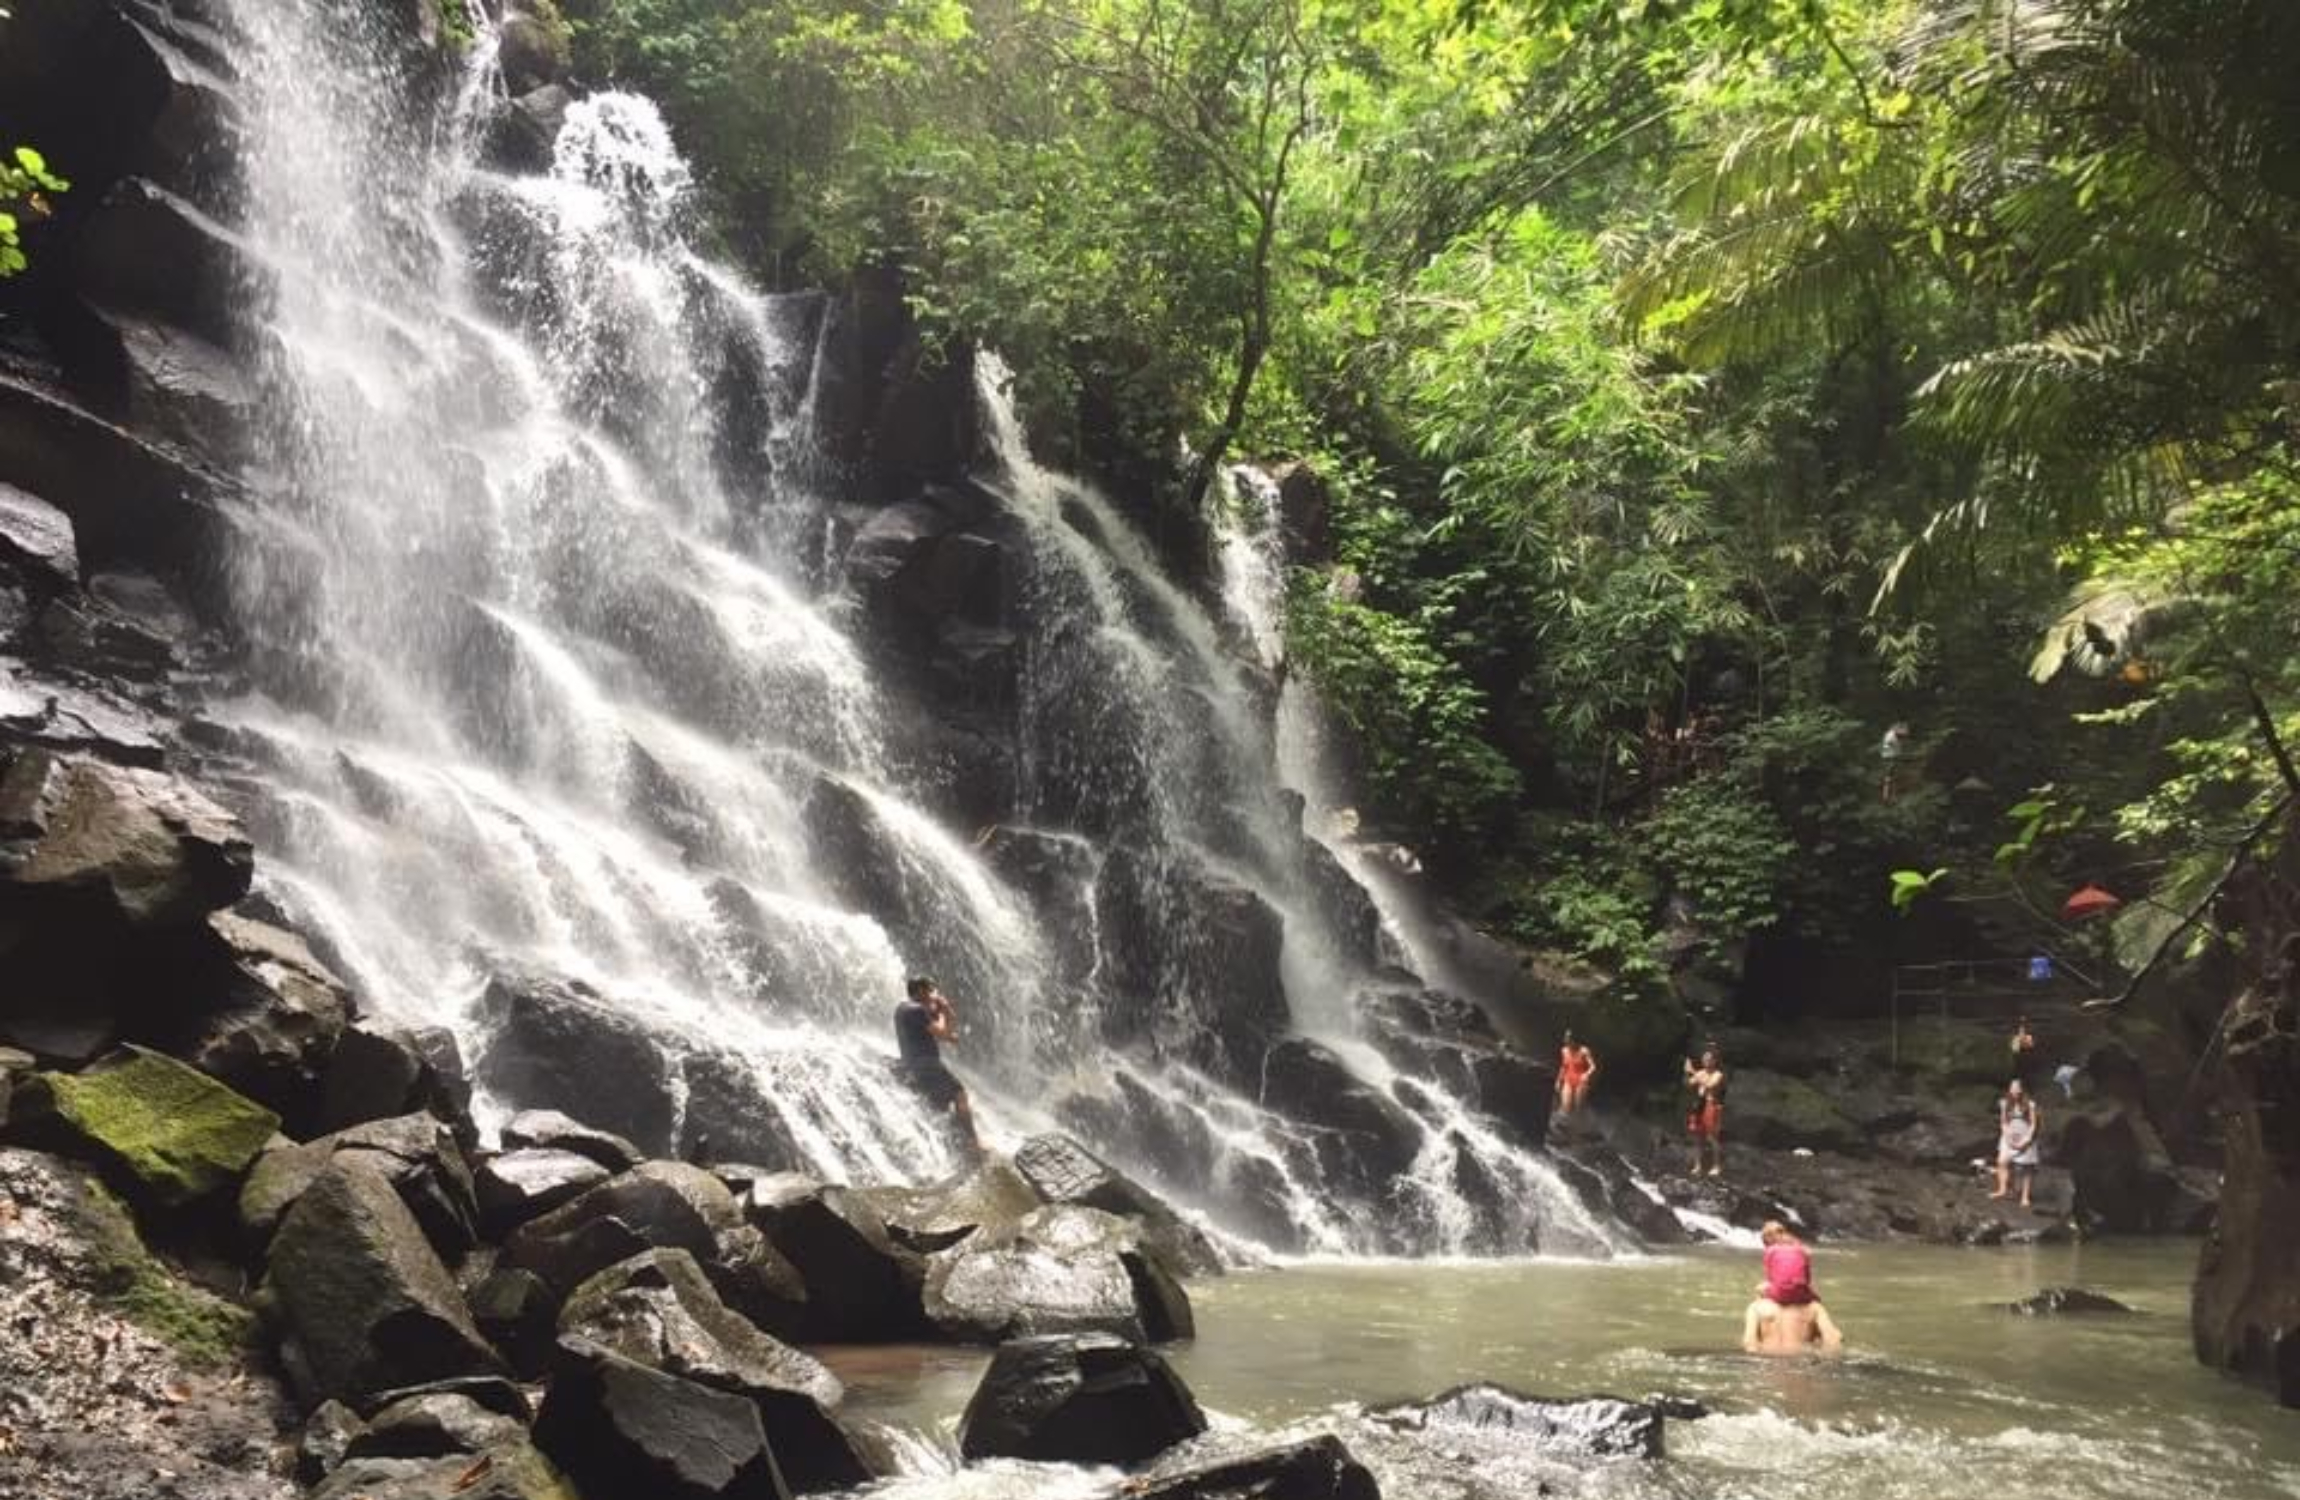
x,y
1941,1394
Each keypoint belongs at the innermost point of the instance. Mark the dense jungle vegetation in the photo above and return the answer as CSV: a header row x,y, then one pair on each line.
x,y
1701,386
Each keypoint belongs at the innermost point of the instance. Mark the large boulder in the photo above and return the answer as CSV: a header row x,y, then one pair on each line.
x,y
660,1310
1773,1109
660,1206
520,1185
379,1072
549,1130
2067,1301
79,836
1060,1170
861,1286
2125,1180
433,1424
1060,1269
416,1153
1586,1426
619,1428
559,1044
177,1135
270,1018
1317,1468
1077,1398
363,1302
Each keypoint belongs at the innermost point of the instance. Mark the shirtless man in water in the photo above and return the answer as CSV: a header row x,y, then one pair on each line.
x,y
1771,1329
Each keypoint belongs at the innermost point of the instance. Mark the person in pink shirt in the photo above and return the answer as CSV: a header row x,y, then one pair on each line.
x,y
1787,1318
1788,1267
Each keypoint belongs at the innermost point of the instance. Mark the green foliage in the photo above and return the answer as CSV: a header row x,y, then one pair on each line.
x,y
1912,886
25,183
454,23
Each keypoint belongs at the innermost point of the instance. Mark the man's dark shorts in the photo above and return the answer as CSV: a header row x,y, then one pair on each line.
x,y
933,1082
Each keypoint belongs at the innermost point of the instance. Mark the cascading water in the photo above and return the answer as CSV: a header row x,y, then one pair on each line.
x,y
549,672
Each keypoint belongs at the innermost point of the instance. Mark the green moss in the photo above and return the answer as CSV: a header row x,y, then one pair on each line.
x,y
454,24
203,1328
178,1133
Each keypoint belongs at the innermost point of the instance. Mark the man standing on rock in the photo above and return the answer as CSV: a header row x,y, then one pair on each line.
x,y
922,1023
1705,1121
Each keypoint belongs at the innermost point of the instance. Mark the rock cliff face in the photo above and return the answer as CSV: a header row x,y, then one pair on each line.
x,y
2247,1307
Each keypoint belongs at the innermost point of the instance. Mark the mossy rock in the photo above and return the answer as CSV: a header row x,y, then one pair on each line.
x,y
177,1134
201,1327
1635,1036
1773,1109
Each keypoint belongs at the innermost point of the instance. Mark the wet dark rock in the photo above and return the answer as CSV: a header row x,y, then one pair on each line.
x,y
1077,1398
416,1153
1588,1426
1349,911
1060,1170
728,1114
990,1196
130,500
36,541
85,840
379,1072
516,1313
755,1279
272,1016
861,1286
1060,1269
1774,1109
2126,1181
620,1218
619,1428
181,389
362,1301
147,249
559,1044
176,1135
1362,1137
533,46
432,1425
520,1185
2066,1301
522,131
1318,1468
1194,961
549,1130
661,1311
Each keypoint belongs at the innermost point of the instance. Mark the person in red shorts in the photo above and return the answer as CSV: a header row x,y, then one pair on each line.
x,y
1576,1066
1705,1122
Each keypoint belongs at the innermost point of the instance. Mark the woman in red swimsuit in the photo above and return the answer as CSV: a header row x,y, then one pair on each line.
x,y
1576,1066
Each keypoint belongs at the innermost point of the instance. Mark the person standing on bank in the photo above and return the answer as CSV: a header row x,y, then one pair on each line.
x,y
1576,1067
1705,1121
922,1023
2019,1123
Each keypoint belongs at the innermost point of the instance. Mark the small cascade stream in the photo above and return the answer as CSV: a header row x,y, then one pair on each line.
x,y
554,682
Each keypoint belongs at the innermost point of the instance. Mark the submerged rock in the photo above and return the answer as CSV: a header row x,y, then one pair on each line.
x,y
1592,1426
1318,1468
620,1429
1078,1398
176,1133
2067,1301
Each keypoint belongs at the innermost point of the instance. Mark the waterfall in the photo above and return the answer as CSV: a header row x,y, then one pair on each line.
x,y
552,678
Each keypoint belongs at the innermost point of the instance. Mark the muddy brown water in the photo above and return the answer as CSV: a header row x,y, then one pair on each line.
x,y
1941,1394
